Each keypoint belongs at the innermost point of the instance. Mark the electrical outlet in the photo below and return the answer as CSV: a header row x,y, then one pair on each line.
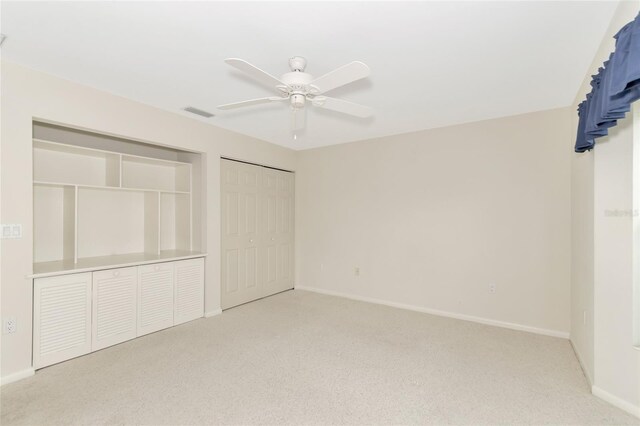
x,y
10,326
492,288
356,271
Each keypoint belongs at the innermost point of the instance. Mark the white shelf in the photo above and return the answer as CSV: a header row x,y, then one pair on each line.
x,y
110,222
60,184
155,174
55,162
54,222
67,266
93,207
154,161
70,149
110,188
175,221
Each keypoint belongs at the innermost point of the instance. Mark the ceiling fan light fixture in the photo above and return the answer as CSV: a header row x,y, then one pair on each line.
x,y
297,101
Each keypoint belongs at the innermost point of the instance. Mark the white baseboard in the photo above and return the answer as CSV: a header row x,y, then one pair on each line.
x,y
487,321
584,367
634,410
17,376
213,313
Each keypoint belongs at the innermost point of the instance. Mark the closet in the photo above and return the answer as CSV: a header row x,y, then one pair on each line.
x,y
257,241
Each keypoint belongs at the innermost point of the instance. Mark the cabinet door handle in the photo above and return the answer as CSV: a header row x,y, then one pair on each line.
x,y
250,241
156,267
116,273
273,239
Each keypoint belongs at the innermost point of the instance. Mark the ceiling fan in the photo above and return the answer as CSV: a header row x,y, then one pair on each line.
x,y
300,88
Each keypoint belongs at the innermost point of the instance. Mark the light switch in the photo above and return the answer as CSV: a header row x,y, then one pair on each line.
x,y
11,230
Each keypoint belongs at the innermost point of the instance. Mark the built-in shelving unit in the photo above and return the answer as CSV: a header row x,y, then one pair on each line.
x,y
114,251
98,208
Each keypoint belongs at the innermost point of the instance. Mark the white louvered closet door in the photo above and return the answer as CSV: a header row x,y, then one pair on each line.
x,y
188,290
61,318
114,306
155,297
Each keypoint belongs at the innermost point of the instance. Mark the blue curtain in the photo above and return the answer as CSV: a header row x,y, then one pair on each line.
x,y
613,89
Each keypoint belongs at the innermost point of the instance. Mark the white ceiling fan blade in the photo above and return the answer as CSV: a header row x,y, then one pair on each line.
x,y
252,102
254,72
339,77
342,106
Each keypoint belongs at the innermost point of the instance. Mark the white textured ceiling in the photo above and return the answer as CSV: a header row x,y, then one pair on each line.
x,y
433,63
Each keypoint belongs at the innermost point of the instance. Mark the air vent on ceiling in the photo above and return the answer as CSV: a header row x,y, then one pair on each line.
x,y
198,112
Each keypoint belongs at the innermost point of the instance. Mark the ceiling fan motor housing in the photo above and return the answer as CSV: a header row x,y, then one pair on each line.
x,y
297,79
298,82
297,63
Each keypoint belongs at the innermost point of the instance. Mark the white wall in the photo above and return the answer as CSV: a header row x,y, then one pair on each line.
x,y
582,259
582,247
432,218
605,248
582,192
616,362
29,95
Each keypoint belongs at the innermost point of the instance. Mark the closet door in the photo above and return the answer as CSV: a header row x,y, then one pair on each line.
x,y
114,306
61,318
239,232
189,290
155,297
277,236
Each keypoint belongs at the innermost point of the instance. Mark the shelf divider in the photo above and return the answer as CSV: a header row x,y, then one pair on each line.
x,y
75,224
152,222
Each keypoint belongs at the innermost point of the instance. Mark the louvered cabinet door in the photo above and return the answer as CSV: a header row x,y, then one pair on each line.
x,y
188,290
61,318
114,306
155,297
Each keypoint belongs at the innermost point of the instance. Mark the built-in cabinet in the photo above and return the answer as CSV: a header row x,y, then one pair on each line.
x,y
188,295
61,318
75,314
114,251
155,297
114,306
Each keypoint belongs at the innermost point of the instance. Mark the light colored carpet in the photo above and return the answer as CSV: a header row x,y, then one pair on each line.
x,y
305,358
